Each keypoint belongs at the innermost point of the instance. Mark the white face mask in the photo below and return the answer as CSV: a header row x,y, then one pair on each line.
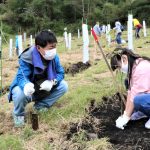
x,y
124,68
50,54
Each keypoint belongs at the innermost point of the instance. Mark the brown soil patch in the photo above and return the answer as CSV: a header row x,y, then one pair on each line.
x,y
76,68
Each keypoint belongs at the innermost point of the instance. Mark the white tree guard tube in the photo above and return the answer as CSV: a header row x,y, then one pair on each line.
x,y
108,36
108,27
78,33
103,28
85,43
10,48
69,44
66,39
130,32
20,47
144,28
24,37
109,39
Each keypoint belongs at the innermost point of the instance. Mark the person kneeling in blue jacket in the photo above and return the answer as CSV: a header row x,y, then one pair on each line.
x,y
40,77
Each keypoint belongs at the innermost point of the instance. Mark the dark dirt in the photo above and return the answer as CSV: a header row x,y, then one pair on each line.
x,y
139,47
147,42
100,123
76,68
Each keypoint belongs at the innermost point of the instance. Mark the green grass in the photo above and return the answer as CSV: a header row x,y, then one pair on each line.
x,y
27,133
99,144
82,88
10,142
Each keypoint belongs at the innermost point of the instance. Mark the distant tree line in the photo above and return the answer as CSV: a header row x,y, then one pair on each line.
x,y
35,15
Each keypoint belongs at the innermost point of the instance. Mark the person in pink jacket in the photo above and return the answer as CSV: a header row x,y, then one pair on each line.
x,y
137,69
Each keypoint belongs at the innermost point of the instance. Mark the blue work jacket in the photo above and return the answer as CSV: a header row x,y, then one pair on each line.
x,y
25,72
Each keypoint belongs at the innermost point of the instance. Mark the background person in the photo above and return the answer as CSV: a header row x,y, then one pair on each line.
x,y
118,30
97,30
137,26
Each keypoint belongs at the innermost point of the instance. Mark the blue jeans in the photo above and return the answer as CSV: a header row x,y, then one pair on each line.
x,y
118,38
20,100
137,30
142,103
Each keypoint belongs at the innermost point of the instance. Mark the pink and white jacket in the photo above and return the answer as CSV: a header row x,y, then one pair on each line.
x,y
140,79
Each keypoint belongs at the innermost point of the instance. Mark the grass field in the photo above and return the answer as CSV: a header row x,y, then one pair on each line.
x,y
93,83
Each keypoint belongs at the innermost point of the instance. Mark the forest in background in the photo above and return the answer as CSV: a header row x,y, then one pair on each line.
x,y
32,16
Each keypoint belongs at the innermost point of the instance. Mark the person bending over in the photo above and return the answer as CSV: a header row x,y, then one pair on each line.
x,y
137,69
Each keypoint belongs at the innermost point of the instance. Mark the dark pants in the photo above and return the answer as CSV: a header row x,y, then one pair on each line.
x,y
137,30
118,38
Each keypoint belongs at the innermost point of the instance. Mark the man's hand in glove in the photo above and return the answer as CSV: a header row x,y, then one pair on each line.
x,y
122,121
29,89
47,85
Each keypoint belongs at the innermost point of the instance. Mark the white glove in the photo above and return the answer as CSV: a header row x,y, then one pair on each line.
x,y
47,85
122,121
29,89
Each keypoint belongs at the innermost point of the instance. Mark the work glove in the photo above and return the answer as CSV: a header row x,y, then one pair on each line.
x,y
47,85
122,121
29,89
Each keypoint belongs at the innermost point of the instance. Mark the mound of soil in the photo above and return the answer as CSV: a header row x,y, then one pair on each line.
x,y
76,68
147,42
100,123
139,47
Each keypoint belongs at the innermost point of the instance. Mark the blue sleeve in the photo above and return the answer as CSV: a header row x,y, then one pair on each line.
x,y
59,70
24,73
